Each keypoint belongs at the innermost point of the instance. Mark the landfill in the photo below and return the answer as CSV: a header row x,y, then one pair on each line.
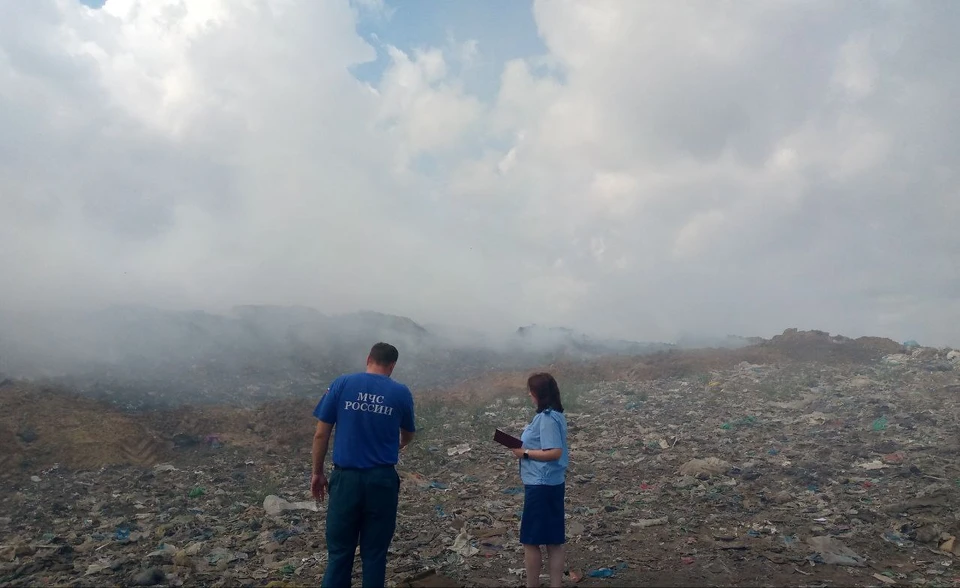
x,y
805,460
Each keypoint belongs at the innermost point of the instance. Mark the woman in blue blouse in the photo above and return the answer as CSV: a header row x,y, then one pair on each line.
x,y
543,468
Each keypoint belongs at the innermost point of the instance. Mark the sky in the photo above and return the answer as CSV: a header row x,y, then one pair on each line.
x,y
626,168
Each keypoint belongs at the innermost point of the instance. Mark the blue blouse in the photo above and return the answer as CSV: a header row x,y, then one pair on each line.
x,y
547,430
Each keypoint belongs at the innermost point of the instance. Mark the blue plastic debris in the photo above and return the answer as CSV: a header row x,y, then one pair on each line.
x,y
607,572
281,535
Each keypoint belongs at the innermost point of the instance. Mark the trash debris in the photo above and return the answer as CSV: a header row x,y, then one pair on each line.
x,y
895,458
458,449
710,466
274,505
884,579
462,545
665,485
601,573
897,539
832,551
607,572
644,523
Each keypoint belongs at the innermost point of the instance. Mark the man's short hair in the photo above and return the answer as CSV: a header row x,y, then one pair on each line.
x,y
384,354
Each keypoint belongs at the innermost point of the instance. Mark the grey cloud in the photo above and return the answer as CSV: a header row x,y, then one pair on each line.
x,y
635,188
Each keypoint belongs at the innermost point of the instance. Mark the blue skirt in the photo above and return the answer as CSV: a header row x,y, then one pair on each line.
x,y
542,522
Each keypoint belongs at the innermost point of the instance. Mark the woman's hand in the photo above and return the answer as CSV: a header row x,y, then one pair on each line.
x,y
518,452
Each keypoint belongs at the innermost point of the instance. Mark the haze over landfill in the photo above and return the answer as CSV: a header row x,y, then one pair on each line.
x,y
630,170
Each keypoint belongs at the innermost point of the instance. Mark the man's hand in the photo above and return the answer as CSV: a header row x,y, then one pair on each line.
x,y
318,486
518,452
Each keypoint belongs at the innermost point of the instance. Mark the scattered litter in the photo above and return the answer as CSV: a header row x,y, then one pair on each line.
x,y
644,523
897,539
274,505
895,458
462,545
831,551
885,579
193,509
607,572
880,424
601,573
710,466
459,449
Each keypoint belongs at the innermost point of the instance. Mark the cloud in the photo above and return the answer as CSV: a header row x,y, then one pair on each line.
x,y
663,168
421,106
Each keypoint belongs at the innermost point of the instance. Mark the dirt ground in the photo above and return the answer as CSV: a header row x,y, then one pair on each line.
x,y
808,460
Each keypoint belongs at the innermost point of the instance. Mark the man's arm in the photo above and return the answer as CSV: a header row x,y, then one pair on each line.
x,y
407,422
405,438
321,440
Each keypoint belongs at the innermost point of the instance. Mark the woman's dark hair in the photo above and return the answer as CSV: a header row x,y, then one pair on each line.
x,y
545,389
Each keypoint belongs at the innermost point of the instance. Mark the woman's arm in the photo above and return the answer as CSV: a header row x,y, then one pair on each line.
x,y
545,454
538,454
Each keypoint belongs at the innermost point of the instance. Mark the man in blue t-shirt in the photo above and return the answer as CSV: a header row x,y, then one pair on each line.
x,y
373,415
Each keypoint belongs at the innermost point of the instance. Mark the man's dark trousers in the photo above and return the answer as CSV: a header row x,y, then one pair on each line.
x,y
362,509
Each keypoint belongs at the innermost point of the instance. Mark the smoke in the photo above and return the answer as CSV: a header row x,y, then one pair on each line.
x,y
143,356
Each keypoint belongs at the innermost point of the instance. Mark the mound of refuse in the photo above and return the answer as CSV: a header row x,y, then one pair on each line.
x,y
717,470
823,347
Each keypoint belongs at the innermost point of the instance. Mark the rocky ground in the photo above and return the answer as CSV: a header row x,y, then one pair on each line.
x,y
811,461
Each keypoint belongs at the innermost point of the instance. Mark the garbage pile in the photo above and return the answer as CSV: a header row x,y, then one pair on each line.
x,y
805,472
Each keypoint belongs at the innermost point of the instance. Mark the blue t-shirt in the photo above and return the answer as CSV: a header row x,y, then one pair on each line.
x,y
547,430
368,411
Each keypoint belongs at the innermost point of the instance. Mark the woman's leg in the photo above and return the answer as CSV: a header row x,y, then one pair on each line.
x,y
555,563
533,561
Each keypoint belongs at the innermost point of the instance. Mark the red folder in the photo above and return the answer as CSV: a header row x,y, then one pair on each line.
x,y
506,440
